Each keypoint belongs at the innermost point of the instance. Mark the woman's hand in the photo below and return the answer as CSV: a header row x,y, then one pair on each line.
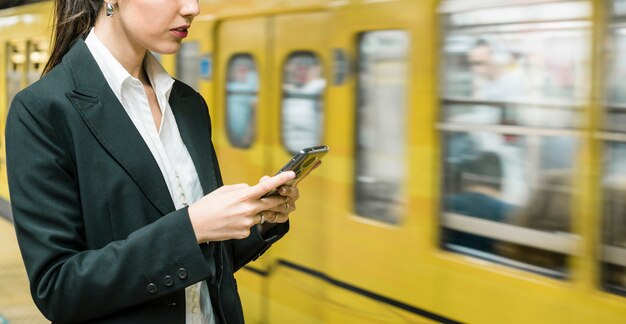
x,y
230,211
280,213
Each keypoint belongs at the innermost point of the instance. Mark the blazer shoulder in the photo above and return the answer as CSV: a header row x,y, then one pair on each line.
x,y
182,91
53,84
46,97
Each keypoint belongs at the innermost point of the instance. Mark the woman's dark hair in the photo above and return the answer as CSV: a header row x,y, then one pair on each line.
x,y
72,19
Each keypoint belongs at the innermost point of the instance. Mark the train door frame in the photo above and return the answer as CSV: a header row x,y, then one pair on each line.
x,y
299,43
12,85
248,37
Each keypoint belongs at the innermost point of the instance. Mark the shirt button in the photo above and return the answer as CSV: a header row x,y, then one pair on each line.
x,y
168,281
195,310
182,273
152,288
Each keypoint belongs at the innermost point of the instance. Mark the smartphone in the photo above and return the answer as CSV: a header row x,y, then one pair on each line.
x,y
302,163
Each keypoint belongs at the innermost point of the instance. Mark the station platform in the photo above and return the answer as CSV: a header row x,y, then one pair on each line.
x,y
16,305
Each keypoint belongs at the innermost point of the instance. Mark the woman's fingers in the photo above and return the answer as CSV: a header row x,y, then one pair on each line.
x,y
259,218
233,187
277,218
284,208
272,202
289,191
265,186
268,216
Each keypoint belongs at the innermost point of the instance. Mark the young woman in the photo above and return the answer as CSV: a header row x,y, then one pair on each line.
x,y
118,202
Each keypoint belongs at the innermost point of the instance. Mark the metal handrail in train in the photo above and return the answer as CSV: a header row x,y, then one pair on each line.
x,y
561,242
569,105
614,255
509,130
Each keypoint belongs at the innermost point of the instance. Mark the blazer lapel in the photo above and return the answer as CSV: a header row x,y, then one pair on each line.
x,y
194,127
111,126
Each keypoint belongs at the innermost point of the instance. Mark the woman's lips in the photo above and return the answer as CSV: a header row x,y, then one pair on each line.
x,y
180,32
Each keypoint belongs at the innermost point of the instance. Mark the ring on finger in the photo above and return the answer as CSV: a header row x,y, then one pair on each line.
x,y
286,207
262,218
275,216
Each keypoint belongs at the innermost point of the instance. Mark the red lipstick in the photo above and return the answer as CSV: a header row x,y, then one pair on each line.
x,y
180,31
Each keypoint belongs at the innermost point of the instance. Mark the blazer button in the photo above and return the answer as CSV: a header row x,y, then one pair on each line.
x,y
182,273
168,281
152,288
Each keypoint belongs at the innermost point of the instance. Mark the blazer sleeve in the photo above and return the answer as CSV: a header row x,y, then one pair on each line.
x,y
69,281
252,247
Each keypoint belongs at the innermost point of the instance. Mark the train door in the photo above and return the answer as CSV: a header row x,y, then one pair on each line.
x,y
241,129
15,80
381,190
241,65
298,110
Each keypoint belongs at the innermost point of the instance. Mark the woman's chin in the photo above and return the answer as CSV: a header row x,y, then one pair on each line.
x,y
165,49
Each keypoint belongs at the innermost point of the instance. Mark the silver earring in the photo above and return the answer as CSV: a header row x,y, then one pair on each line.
x,y
109,9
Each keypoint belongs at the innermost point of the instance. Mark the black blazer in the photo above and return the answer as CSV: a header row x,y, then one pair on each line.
x,y
94,218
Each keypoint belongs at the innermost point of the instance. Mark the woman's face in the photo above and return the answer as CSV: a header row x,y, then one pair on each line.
x,y
157,25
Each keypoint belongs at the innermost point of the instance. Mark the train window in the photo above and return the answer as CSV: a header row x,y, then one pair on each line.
x,y
613,256
188,64
16,62
242,93
514,81
380,125
303,105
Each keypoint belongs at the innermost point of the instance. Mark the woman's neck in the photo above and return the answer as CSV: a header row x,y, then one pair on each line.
x,y
129,54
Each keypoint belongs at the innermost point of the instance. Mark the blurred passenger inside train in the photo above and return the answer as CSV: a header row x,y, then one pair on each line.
x,y
479,196
496,76
118,202
497,73
497,81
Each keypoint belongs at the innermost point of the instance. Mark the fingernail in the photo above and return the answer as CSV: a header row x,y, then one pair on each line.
x,y
282,190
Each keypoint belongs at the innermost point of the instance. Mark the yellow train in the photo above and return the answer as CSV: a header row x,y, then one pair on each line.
x,y
476,171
